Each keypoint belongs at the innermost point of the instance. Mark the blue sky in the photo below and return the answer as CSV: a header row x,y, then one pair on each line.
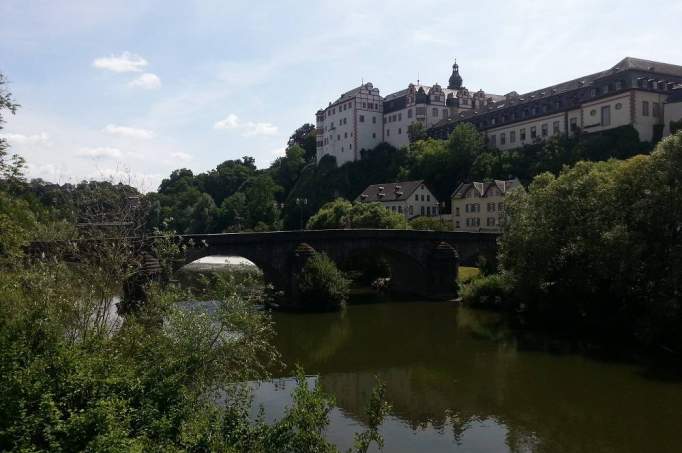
x,y
132,90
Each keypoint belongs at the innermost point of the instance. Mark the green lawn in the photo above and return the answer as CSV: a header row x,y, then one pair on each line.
x,y
467,273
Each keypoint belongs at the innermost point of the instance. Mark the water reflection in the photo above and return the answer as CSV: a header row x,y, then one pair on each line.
x,y
459,380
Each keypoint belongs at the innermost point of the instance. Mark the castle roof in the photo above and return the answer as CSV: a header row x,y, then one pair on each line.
x,y
624,65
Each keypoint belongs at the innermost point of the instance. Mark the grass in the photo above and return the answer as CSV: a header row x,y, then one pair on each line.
x,y
467,273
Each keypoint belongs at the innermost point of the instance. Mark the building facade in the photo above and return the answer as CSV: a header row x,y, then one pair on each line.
x,y
672,111
479,206
409,198
360,118
634,92
351,123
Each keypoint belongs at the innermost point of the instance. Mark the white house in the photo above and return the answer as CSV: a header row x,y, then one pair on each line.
x,y
409,198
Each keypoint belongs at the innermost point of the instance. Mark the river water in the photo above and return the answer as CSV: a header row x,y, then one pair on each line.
x,y
459,380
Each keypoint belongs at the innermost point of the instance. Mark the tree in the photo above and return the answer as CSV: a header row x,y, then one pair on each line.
x,y
416,132
341,213
600,244
321,285
305,137
430,223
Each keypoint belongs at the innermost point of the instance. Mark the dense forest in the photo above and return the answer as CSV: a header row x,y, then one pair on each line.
x,y
236,196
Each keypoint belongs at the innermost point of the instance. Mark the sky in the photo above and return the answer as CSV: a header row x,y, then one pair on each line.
x,y
131,90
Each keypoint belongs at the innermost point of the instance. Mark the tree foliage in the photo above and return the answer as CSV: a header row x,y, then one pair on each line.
x,y
341,213
321,285
601,243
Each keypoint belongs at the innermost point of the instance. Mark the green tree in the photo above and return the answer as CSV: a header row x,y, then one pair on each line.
x,y
321,285
305,137
341,213
430,223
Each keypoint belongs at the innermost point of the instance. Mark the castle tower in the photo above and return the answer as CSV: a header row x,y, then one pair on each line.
x,y
455,81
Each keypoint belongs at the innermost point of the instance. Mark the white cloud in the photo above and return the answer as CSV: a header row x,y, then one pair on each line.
x,y
21,139
249,129
231,122
180,156
129,132
147,81
102,151
126,62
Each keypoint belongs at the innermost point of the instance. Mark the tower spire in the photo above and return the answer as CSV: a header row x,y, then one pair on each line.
x,y
455,81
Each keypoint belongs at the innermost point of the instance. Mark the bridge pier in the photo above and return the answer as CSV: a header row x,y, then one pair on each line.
x,y
444,267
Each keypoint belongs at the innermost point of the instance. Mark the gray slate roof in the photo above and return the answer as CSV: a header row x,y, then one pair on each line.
x,y
626,64
392,191
482,188
676,96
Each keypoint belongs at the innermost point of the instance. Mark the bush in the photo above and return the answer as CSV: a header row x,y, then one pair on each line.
x,y
430,223
488,291
321,285
341,213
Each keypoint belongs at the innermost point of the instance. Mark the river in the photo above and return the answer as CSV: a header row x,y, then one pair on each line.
x,y
460,380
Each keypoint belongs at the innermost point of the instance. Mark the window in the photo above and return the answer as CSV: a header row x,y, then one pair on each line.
x,y
445,113
374,135
393,208
457,224
416,198
574,124
545,130
466,207
422,197
422,210
428,211
522,134
350,146
362,118
500,206
606,115
411,210
512,136
374,120
490,221
409,113
400,116
400,130
400,209
428,197
656,109
619,106
493,140
533,132
364,105
345,135
503,138
434,112
388,132
555,128
457,211
645,108
338,137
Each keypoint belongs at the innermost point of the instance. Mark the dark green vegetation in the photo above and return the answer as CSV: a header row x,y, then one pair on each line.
x,y
321,285
599,248
236,196
76,376
341,213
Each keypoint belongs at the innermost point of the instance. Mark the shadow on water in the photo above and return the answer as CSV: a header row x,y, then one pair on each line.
x,y
460,379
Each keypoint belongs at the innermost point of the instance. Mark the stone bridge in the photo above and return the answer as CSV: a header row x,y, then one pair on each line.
x,y
423,263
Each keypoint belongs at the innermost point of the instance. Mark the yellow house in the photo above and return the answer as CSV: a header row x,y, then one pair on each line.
x,y
479,206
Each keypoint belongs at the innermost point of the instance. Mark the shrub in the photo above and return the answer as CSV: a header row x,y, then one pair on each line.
x,y
321,285
488,291
430,223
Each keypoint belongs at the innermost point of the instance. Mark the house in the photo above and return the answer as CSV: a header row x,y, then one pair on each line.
x,y
410,198
479,206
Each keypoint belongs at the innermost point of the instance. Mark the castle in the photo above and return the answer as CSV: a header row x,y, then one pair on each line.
x,y
641,93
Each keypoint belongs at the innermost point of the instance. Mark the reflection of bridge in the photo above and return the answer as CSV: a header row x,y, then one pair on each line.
x,y
423,263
